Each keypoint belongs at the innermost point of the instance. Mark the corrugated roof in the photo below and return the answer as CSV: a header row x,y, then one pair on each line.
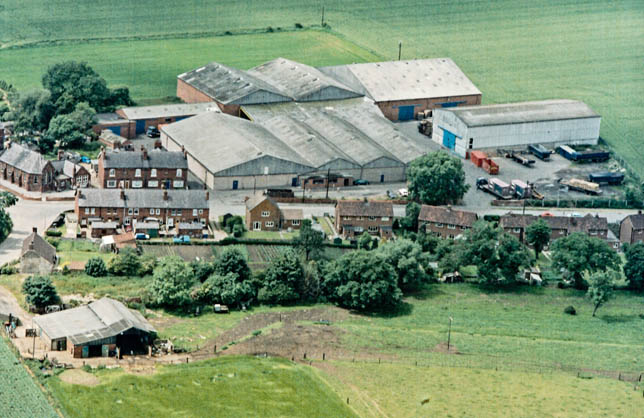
x,y
405,80
134,159
143,198
523,112
24,159
300,81
168,110
229,85
104,318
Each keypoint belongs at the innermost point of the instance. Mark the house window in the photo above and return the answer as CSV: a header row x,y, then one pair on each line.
x,y
373,229
86,211
174,212
177,184
108,211
158,211
451,226
153,183
194,212
151,211
136,211
200,211
269,224
358,229
93,211
35,179
112,172
516,230
372,218
451,236
179,172
203,221
126,221
385,218
345,218
130,211
265,214
153,172
295,222
593,232
439,225
137,184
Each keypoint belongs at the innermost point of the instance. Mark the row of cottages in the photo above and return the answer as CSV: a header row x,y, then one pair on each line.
x,y
29,170
155,169
127,206
355,217
263,213
560,226
445,221
103,328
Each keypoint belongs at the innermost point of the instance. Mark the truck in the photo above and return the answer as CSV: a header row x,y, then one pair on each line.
x,y
523,190
582,186
521,159
425,127
495,187
606,177
540,151
583,156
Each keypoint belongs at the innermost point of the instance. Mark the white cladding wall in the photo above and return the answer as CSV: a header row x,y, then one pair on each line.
x,y
569,131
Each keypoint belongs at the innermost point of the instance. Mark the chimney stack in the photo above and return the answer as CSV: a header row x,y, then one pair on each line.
x,y
207,195
165,195
144,155
61,154
34,229
122,194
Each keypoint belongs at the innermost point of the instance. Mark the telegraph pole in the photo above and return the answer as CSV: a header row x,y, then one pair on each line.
x,y
328,175
322,15
399,49
449,333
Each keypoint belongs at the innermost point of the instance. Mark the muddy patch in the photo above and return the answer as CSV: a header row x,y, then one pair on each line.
x,y
79,377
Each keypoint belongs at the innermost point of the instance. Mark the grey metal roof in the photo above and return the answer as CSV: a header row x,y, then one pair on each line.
x,y
104,318
111,137
104,225
220,141
24,159
146,225
405,80
134,159
143,198
107,118
168,110
187,225
300,81
40,246
229,85
523,112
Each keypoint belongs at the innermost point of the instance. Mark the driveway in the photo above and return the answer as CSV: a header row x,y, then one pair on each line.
x,y
26,215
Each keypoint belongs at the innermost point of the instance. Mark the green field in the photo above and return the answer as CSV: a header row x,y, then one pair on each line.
x,y
20,397
226,387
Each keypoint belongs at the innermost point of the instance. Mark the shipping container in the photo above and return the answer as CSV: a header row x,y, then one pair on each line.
x,y
500,187
478,157
567,152
490,166
606,177
521,189
540,151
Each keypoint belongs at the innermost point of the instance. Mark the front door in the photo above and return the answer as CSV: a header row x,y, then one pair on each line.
x,y
235,184
257,226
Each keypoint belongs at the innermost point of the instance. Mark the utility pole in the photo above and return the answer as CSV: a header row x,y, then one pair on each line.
x,y
322,15
33,347
399,49
449,333
328,176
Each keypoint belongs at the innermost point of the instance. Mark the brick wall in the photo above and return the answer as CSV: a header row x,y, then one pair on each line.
x,y
165,177
442,230
189,94
360,221
390,109
255,215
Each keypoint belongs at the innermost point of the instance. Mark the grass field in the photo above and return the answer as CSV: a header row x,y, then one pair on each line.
x,y
375,391
19,395
230,387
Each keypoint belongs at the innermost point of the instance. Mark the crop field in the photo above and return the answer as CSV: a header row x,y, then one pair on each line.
x,y
230,387
19,395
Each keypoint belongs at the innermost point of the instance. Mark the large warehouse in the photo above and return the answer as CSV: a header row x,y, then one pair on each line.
x,y
515,124
401,89
285,141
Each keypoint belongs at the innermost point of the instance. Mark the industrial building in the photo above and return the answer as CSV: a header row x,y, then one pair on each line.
x,y
402,89
101,329
285,141
515,124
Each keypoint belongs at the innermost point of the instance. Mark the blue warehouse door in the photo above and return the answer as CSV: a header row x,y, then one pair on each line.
x,y
115,129
140,127
449,139
294,182
405,112
235,184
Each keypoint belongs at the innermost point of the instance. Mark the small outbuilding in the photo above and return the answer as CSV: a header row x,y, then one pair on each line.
x,y
38,256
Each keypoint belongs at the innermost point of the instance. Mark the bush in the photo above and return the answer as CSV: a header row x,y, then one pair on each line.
x,y
227,289
202,269
8,269
232,260
53,233
231,221
283,277
570,310
54,242
298,26
125,263
238,230
40,291
171,283
148,263
95,267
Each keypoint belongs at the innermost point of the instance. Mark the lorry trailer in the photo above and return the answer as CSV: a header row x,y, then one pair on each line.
x,y
540,151
606,178
583,156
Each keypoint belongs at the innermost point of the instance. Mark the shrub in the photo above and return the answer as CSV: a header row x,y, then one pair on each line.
x,y
202,269
8,269
125,263
95,267
148,263
570,310
298,26
232,260
238,230
283,277
269,29
53,233
171,283
40,291
227,289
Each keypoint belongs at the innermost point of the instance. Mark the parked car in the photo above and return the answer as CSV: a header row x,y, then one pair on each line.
x,y
360,182
391,194
153,132
403,192
184,239
85,160
141,236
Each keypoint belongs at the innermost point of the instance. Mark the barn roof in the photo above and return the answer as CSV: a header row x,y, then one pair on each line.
x,y
405,80
168,110
522,112
104,318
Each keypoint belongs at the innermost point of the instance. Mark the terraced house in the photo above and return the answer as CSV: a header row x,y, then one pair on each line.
x,y
125,206
355,217
445,222
156,169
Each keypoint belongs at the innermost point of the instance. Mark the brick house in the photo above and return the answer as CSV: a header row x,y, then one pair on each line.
x,y
631,229
445,222
263,213
124,206
156,169
27,169
354,217
37,256
560,226
68,174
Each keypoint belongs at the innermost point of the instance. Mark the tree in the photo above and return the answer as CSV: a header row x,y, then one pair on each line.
x,y
363,281
538,235
600,286
512,257
309,288
409,263
578,253
95,267
40,291
125,263
437,179
85,118
31,111
64,130
283,277
367,242
227,289
634,267
6,224
309,241
232,260
410,221
202,269
172,281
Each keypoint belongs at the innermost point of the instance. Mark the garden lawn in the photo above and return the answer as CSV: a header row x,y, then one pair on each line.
x,y
229,386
